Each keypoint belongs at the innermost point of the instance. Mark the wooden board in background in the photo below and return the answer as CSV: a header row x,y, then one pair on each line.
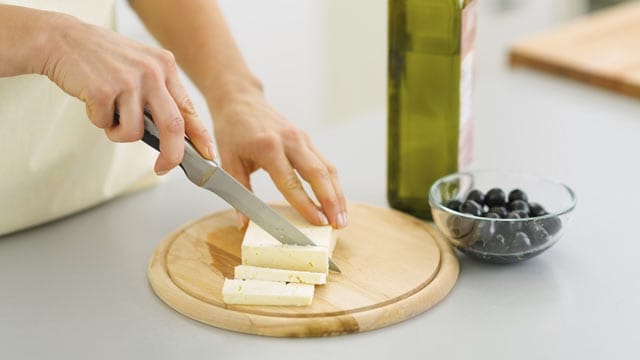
x,y
601,49
393,268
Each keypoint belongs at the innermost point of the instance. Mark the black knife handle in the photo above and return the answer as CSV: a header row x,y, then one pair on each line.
x,y
194,165
148,138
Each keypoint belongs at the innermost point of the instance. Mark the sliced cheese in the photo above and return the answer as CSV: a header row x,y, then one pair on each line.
x,y
260,292
261,249
293,276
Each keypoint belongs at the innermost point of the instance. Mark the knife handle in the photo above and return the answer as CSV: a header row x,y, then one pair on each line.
x,y
195,166
150,136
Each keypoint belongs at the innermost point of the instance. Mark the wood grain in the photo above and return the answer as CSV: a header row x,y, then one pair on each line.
x,y
602,49
393,267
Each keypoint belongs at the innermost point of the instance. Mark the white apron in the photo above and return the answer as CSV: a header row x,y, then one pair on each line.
x,y
53,161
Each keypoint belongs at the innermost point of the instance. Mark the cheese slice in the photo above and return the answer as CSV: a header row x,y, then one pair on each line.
x,y
260,292
293,276
263,250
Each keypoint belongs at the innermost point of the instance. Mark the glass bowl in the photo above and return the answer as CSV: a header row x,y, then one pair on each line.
x,y
501,240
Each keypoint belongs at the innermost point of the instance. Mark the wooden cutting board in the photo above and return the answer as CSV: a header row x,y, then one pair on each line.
x,y
393,267
601,49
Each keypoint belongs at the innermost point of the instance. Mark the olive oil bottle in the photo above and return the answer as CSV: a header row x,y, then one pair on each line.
x,y
430,76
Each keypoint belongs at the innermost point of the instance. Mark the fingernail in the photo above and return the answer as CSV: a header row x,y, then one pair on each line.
x,y
239,221
161,172
342,220
207,152
322,218
212,151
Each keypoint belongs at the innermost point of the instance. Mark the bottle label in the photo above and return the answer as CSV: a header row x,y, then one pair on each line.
x,y
467,68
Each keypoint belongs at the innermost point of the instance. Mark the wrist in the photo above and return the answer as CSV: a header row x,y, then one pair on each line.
x,y
231,90
53,44
31,34
21,37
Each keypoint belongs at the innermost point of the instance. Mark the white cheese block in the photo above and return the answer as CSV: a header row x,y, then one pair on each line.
x,y
294,276
260,292
261,249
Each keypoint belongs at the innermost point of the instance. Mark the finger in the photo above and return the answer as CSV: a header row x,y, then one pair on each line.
x,y
333,175
240,173
100,111
194,128
288,182
170,126
315,172
130,126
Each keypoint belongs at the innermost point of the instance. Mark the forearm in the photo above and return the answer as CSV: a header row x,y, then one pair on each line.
x,y
250,134
197,33
24,41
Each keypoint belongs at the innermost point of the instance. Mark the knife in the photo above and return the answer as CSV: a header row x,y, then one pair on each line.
x,y
209,175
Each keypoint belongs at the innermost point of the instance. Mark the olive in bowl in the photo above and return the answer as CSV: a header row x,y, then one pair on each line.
x,y
499,216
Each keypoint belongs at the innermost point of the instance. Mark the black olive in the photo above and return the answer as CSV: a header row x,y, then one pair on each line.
x,y
506,227
500,210
537,234
496,244
520,242
471,207
483,232
492,215
513,215
518,194
477,196
512,227
519,205
522,214
459,226
495,197
536,209
552,225
454,204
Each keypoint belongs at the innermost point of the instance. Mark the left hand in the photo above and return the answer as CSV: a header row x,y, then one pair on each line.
x,y
251,135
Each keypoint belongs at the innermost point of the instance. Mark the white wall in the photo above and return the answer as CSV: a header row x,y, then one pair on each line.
x,y
324,61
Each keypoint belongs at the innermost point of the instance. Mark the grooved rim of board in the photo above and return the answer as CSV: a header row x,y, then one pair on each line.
x,y
184,275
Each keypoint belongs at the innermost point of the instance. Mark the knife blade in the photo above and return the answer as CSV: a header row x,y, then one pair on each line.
x,y
209,175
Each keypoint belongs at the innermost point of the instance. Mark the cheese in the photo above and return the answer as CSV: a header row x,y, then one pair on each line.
x,y
261,249
293,276
260,292
276,274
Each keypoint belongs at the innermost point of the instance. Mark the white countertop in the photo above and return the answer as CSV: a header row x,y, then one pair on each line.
x,y
77,288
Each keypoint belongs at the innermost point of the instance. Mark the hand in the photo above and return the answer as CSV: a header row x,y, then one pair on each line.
x,y
108,71
252,135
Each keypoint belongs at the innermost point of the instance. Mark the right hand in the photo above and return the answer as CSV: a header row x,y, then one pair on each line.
x,y
108,71
252,135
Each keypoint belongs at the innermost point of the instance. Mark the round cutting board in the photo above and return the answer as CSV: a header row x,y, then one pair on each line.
x,y
394,267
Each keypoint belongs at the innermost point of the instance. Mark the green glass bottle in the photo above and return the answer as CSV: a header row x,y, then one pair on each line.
x,y
430,72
